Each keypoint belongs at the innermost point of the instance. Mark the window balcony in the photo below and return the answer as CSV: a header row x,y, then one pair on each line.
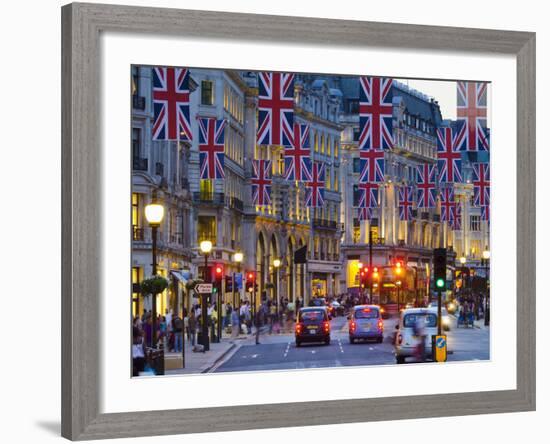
x,y
137,233
138,102
140,164
209,198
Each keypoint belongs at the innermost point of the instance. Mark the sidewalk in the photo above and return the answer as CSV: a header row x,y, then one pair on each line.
x,y
199,362
478,323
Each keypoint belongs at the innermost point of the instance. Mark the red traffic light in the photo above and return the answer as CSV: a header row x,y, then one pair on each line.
x,y
250,276
219,269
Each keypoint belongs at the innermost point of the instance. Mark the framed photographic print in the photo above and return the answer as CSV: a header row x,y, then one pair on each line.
x,y
316,211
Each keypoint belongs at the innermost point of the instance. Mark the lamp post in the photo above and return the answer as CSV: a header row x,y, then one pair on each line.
x,y
485,261
154,213
277,264
206,248
462,274
238,258
360,267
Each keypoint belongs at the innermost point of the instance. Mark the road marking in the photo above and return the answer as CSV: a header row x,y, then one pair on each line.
x,y
313,352
371,348
287,349
340,344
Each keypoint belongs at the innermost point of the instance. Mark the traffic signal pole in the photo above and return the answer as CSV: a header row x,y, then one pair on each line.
x,y
370,276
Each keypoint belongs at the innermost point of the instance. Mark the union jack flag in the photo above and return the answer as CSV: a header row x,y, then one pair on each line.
x,y
425,183
405,202
365,213
368,195
297,156
372,166
481,179
315,187
448,205
456,223
211,147
471,109
485,210
449,158
171,104
375,113
275,108
261,182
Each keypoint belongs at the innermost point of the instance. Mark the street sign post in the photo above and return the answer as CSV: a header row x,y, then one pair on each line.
x,y
439,348
203,288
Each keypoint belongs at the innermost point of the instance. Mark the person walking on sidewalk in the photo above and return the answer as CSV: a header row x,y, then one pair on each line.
x,y
259,321
192,325
235,323
177,324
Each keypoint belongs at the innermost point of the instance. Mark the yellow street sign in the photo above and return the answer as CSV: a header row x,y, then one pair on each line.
x,y
439,345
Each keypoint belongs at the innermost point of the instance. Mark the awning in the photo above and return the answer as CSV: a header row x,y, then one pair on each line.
x,y
179,276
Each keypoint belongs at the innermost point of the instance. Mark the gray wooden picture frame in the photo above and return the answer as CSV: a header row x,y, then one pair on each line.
x,y
81,206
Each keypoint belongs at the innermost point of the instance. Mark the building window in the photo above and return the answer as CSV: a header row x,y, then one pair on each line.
x,y
136,142
207,92
135,81
206,189
137,231
475,223
136,280
206,229
356,231
315,143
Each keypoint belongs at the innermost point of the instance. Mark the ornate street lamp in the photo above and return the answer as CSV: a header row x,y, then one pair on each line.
x,y
154,213
206,248
238,258
277,264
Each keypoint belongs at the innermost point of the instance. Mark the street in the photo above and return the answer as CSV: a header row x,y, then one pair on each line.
x,y
279,351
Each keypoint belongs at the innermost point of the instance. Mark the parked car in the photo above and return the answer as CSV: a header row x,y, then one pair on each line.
x,y
365,322
407,341
312,325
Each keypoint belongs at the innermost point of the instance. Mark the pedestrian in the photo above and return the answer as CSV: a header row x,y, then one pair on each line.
x,y
192,325
214,322
235,323
177,325
148,330
162,331
259,319
138,352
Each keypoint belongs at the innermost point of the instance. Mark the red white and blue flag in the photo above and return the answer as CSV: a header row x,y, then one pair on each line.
x,y
448,205
426,176
471,109
449,161
481,179
211,147
171,104
368,195
315,187
261,182
456,223
375,113
405,202
372,166
365,214
275,108
297,156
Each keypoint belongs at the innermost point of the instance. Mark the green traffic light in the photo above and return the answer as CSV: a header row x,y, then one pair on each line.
x,y
440,283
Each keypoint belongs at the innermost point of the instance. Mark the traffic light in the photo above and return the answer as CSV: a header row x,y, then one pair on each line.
x,y
364,277
218,278
375,275
250,281
440,268
398,268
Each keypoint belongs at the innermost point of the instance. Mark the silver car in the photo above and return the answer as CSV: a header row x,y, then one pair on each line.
x,y
365,322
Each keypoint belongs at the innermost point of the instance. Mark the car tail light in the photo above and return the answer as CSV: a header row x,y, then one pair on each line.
x,y
380,324
399,339
298,328
353,325
326,325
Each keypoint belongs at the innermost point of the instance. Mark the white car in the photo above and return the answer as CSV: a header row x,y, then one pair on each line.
x,y
406,340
